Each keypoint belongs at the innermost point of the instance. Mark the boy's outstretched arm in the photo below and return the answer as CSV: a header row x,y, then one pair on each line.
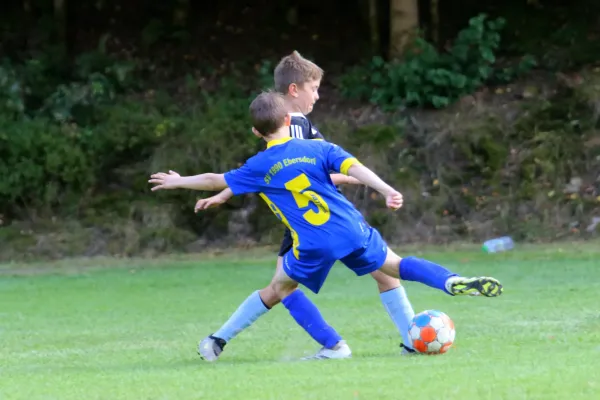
x,y
393,198
214,201
341,179
173,180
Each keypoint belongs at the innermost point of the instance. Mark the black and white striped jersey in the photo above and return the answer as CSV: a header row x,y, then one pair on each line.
x,y
301,128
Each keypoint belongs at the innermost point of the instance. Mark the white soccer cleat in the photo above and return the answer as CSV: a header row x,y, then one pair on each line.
x,y
210,348
339,351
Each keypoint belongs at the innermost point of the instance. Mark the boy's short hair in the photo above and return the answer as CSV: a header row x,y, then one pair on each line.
x,y
268,112
295,69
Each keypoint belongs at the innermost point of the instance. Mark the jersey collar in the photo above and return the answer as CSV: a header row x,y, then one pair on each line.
x,y
278,142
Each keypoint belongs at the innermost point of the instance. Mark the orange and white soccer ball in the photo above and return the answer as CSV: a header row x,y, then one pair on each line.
x,y
432,332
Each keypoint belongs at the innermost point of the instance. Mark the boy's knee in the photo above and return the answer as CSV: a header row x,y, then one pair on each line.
x,y
385,282
283,289
391,265
269,296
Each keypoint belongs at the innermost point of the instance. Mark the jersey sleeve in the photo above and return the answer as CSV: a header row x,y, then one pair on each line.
x,y
338,159
243,180
315,134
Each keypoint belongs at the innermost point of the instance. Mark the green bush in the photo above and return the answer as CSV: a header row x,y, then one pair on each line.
x,y
12,96
41,163
426,77
44,85
63,131
95,163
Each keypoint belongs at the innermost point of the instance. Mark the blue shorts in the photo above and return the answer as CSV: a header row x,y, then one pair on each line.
x,y
312,274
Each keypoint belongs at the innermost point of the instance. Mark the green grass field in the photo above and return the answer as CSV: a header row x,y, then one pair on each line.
x,y
115,329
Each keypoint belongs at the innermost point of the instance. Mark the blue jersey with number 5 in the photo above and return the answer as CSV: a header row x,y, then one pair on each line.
x,y
292,177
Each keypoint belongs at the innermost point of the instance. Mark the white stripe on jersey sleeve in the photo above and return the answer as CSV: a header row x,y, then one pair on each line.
x,y
296,131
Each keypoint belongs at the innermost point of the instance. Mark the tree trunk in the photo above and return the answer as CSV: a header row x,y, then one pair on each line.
x,y
60,15
404,22
434,9
374,27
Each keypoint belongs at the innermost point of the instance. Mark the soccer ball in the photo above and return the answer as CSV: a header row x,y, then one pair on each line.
x,y
432,332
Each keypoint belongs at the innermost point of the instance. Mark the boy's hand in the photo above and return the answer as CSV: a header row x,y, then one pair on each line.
x,y
394,200
164,181
205,204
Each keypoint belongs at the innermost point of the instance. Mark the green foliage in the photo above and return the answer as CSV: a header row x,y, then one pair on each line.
x,y
44,162
157,31
265,74
12,100
509,73
89,149
426,77
39,161
61,129
481,175
560,36
119,74
44,86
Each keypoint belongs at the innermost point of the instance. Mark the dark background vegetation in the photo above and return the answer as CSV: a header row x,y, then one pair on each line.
x,y
486,120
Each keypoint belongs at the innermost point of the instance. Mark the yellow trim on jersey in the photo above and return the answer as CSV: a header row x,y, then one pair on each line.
x,y
275,210
276,142
348,162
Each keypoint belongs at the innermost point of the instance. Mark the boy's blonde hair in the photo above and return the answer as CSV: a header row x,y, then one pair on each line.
x,y
268,112
295,69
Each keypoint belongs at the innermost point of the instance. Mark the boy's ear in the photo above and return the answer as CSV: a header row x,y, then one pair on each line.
x,y
256,133
293,90
288,119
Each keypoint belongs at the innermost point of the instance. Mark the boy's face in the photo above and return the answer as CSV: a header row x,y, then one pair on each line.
x,y
305,95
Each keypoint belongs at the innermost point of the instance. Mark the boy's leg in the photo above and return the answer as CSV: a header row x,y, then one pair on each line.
x,y
304,312
211,347
368,260
436,276
267,294
255,305
396,303
392,295
385,282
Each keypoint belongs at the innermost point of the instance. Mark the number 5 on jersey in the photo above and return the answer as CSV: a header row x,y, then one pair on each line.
x,y
304,197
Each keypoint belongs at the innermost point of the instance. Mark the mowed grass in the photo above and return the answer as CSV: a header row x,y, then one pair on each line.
x,y
129,330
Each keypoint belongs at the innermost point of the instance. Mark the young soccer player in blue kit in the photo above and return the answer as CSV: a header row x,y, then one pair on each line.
x,y
299,79
292,177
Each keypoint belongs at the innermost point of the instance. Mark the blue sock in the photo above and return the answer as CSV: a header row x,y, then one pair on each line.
x,y
426,272
248,312
308,316
400,310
